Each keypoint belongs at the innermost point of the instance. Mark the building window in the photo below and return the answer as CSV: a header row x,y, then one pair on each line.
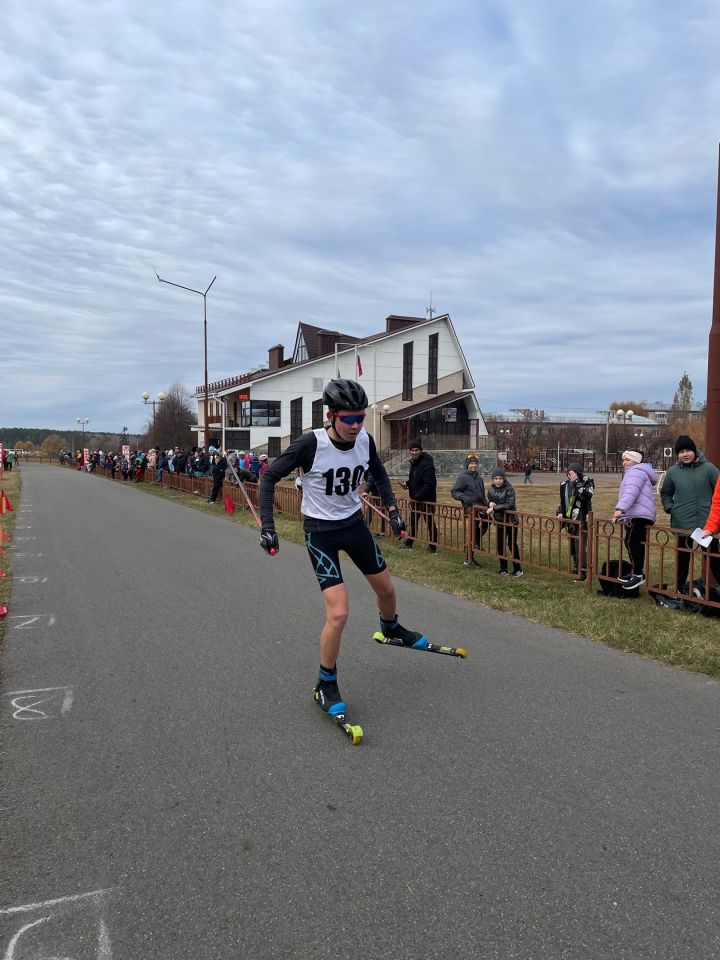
x,y
273,447
432,386
260,413
295,418
407,393
317,414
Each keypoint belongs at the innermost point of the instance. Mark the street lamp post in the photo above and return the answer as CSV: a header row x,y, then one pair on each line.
x,y
386,407
203,294
161,397
625,416
505,434
82,421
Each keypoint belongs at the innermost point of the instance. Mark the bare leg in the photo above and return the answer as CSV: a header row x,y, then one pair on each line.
x,y
385,592
336,614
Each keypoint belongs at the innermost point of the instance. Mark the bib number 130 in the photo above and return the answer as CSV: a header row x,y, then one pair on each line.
x,y
341,481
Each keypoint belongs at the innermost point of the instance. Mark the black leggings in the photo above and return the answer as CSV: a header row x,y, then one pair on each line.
x,y
635,531
421,510
507,538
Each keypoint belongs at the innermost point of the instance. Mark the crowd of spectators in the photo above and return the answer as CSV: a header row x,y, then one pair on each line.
x,y
688,490
195,462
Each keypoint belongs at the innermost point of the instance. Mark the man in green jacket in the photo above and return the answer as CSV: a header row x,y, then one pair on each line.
x,y
687,492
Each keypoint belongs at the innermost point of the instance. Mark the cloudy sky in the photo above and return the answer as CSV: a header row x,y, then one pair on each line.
x,y
547,169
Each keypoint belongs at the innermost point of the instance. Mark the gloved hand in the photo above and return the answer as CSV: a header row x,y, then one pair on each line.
x,y
397,523
269,540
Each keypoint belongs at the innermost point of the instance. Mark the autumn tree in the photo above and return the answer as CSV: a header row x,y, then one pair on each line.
x,y
53,445
638,408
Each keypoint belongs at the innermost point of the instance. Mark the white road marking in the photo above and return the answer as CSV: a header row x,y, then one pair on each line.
x,y
33,620
26,703
57,908
10,952
30,579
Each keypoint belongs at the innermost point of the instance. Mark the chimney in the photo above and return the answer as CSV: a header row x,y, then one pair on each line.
x,y
275,356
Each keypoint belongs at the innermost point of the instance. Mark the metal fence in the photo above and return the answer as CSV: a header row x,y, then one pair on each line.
x,y
596,551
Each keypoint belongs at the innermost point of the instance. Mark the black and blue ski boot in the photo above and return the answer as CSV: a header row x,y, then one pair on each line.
x,y
327,694
409,638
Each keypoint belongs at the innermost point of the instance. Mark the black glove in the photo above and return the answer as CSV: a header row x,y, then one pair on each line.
x,y
397,523
269,540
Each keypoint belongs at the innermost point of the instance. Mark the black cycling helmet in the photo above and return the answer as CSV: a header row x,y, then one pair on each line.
x,y
345,395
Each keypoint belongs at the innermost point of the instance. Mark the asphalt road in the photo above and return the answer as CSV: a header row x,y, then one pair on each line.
x,y
169,789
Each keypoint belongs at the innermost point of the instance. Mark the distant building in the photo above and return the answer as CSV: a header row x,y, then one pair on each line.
x,y
596,437
414,373
660,412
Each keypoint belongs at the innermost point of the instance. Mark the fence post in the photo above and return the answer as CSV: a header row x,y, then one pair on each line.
x,y
590,550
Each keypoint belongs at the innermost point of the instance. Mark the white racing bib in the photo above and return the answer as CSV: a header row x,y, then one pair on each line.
x,y
330,488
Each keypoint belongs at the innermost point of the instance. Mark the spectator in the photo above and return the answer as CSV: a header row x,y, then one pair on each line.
x,y
469,489
575,503
636,509
219,470
501,497
9,455
528,473
687,493
264,463
254,466
422,486
162,465
201,463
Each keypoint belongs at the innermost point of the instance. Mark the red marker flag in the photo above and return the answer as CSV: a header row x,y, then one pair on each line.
x,y
229,505
5,502
359,365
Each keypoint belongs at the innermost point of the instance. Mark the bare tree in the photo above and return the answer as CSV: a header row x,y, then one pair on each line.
x,y
682,401
174,417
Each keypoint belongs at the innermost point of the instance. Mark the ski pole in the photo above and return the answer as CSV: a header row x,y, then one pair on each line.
x,y
379,512
248,501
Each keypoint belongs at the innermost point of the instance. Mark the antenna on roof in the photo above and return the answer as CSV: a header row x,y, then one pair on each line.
x,y
430,311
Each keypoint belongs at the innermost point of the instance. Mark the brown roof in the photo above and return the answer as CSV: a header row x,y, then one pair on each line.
x,y
440,401
318,338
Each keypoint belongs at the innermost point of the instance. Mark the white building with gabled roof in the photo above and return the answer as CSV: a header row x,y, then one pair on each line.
x,y
415,375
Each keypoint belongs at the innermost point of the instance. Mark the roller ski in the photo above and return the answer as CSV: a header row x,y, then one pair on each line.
x,y
327,696
395,635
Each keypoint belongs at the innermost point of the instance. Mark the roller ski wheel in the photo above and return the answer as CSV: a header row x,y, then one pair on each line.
x,y
351,730
423,645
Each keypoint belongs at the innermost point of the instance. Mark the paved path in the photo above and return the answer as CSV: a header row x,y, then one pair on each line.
x,y
177,795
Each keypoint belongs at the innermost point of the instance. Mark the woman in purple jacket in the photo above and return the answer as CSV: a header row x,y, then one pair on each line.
x,y
636,509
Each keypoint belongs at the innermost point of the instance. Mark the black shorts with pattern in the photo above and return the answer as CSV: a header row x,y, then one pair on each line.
x,y
356,541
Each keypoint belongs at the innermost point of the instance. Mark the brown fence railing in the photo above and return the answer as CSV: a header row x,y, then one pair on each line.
x,y
543,542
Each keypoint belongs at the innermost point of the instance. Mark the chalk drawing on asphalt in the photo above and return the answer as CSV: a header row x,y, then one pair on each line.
x,y
44,703
71,928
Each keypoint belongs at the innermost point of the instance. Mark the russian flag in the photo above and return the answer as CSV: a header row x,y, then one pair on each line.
x,y
359,365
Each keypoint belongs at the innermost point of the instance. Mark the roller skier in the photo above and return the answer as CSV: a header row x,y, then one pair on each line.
x,y
334,461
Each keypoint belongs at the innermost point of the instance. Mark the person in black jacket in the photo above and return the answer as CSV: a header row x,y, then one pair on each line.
x,y
469,489
501,509
422,487
575,503
219,468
